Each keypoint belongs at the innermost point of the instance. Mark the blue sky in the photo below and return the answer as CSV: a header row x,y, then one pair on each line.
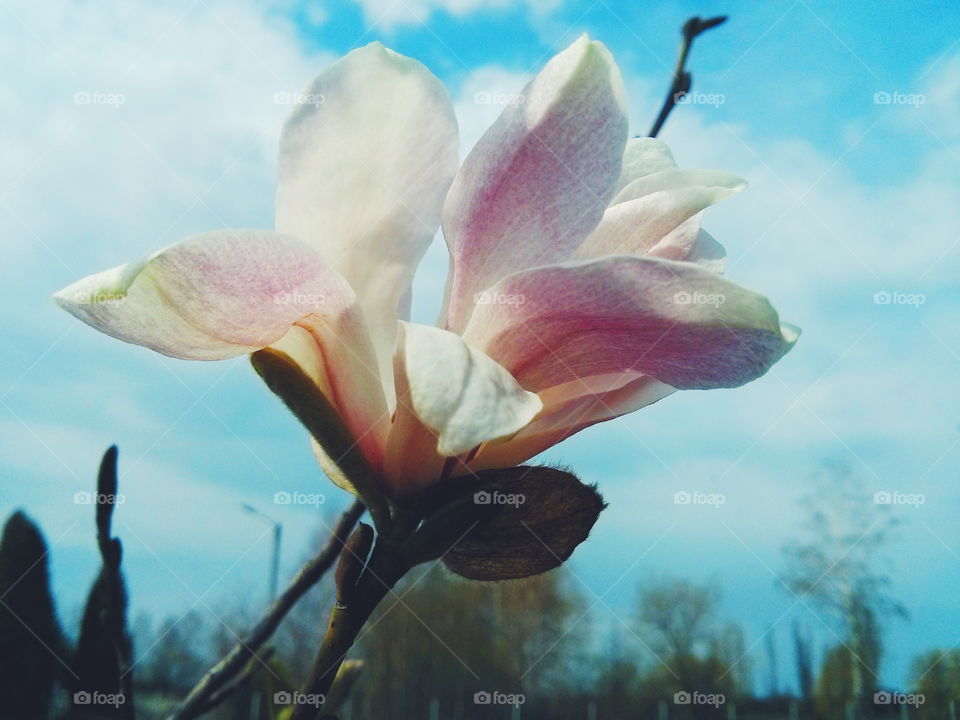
x,y
849,197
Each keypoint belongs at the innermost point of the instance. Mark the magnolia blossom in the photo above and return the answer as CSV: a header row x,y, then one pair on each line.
x,y
581,286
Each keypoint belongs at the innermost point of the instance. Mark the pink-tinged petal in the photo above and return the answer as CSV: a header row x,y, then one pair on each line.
x,y
457,391
688,242
643,156
300,345
412,461
540,178
343,347
365,163
211,296
652,207
675,321
582,402
570,408
723,182
337,354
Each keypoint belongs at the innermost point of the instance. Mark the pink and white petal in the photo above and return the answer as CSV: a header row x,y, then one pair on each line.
x,y
211,296
613,394
643,156
457,391
708,253
338,356
689,243
678,243
412,461
540,178
675,179
637,225
574,406
570,408
300,345
365,163
675,321
342,345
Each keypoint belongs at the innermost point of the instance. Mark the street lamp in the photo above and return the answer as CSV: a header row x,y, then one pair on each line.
x,y
277,535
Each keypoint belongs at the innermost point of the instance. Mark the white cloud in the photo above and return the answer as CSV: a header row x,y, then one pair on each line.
x,y
939,93
123,118
388,14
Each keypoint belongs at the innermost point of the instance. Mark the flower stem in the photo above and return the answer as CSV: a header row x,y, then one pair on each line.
x,y
350,613
682,80
342,630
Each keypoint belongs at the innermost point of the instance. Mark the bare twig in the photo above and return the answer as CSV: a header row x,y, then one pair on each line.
x,y
682,80
238,684
115,594
198,701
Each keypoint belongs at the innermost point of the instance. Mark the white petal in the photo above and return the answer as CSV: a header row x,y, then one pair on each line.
x,y
459,392
643,156
365,164
651,207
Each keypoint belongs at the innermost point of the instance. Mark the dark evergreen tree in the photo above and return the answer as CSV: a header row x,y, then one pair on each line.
x,y
32,647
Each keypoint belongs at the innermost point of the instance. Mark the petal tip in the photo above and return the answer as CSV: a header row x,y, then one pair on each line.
x,y
109,286
372,47
585,55
60,297
731,185
791,333
582,41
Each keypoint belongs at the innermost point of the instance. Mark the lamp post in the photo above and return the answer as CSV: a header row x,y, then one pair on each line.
x,y
277,536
